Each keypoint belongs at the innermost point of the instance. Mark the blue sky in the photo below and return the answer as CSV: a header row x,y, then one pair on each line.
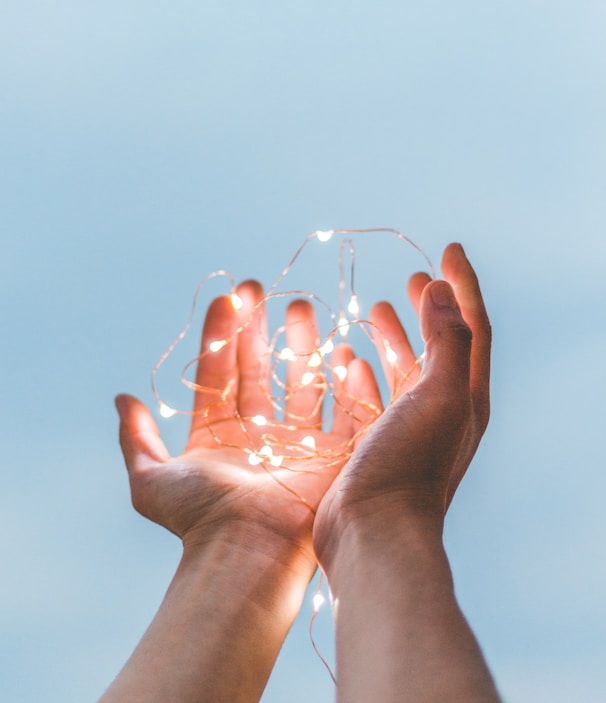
x,y
143,145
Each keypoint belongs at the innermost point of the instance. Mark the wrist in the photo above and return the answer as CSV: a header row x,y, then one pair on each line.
x,y
249,563
378,535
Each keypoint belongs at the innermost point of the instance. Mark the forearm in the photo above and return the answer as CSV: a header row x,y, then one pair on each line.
x,y
400,633
220,626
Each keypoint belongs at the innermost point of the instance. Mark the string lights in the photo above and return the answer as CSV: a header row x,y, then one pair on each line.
x,y
294,447
262,447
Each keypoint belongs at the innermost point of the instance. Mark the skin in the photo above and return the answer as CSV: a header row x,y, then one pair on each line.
x,y
247,542
247,552
400,635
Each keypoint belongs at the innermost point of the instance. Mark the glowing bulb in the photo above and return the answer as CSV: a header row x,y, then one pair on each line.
x,y
327,347
254,459
217,345
166,411
318,601
390,355
314,360
287,355
309,442
276,460
307,378
353,307
340,372
259,420
236,301
343,326
324,235
266,451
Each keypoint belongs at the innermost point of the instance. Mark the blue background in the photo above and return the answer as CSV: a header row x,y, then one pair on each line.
x,y
143,145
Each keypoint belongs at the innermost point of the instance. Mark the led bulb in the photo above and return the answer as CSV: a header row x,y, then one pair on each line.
x,y
343,326
236,301
259,420
390,355
266,451
353,307
307,378
318,601
254,459
217,345
340,372
314,360
276,460
309,442
166,411
324,235
327,347
287,355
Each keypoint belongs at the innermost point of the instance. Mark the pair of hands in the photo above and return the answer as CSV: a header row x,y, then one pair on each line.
x,y
408,464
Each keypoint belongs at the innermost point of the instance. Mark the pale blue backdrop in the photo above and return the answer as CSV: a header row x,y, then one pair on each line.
x,y
144,144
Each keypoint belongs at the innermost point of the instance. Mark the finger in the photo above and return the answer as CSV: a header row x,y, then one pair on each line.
x,y
459,273
254,389
397,357
416,283
139,435
340,359
361,385
303,402
447,342
217,373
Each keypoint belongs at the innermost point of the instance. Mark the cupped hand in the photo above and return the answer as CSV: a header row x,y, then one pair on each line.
x,y
412,459
212,484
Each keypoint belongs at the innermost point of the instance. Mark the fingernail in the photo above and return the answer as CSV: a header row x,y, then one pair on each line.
x,y
443,295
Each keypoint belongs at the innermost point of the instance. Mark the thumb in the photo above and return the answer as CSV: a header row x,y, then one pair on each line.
x,y
139,435
447,337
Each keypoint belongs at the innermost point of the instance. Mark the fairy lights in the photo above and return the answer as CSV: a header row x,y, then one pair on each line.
x,y
236,301
307,378
390,354
315,360
340,372
318,601
287,355
217,345
293,447
354,307
309,442
324,235
343,326
166,411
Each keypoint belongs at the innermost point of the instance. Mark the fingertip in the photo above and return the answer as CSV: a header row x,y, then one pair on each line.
x,y
342,353
455,262
340,359
221,306
125,405
250,292
299,310
442,295
439,309
362,383
120,402
384,319
139,433
415,287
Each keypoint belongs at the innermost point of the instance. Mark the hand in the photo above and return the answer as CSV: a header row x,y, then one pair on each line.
x,y
246,530
412,459
211,485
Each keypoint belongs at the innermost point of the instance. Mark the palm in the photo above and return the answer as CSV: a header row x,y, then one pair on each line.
x,y
214,480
